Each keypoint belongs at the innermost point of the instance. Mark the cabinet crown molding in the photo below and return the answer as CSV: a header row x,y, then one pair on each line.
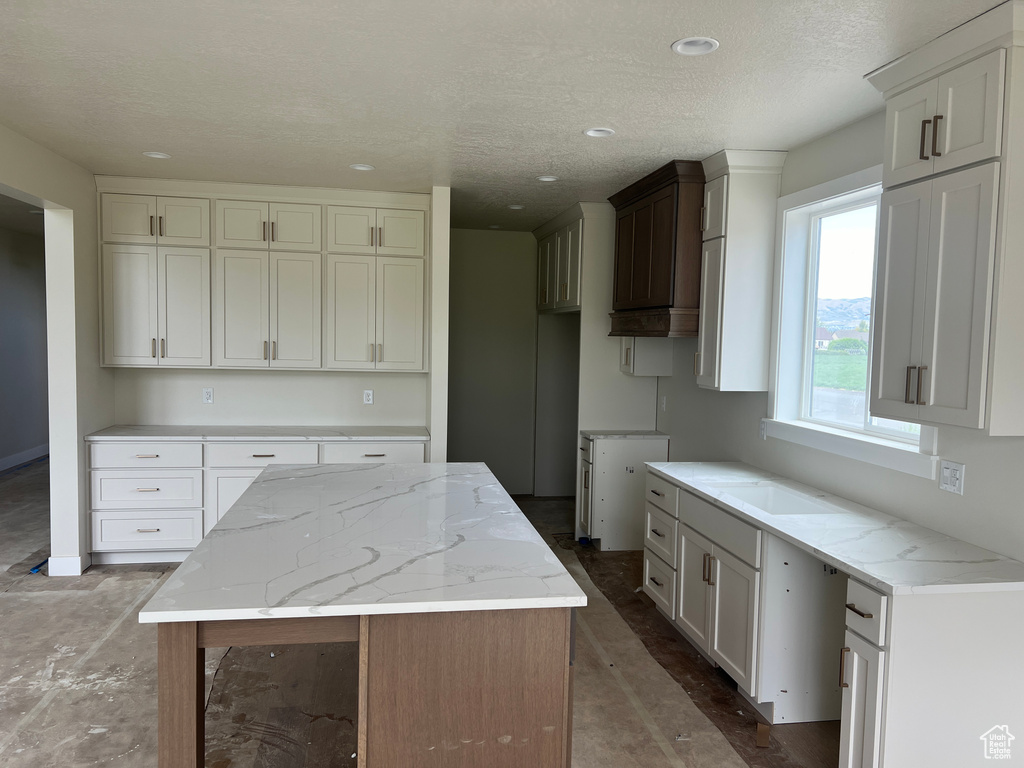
x,y
743,161
676,171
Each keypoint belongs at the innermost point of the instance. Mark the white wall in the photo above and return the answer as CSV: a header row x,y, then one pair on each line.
x,y
493,353
80,393
712,426
24,427
558,374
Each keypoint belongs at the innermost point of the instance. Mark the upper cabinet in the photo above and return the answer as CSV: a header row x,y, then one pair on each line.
x,y
277,226
946,122
737,261
559,261
150,220
381,231
657,253
547,272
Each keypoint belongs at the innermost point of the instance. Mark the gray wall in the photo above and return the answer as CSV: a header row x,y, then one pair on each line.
x,y
724,426
493,353
558,398
24,428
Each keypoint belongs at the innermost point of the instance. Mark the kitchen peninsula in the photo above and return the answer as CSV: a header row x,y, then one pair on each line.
x,y
463,615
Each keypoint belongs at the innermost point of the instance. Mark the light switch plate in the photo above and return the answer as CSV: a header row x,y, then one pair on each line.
x,y
951,477
207,395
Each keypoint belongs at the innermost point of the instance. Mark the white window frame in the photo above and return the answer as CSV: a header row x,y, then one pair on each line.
x,y
787,418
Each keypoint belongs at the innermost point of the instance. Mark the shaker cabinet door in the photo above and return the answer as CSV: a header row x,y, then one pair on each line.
x,y
970,102
294,227
242,224
241,305
908,126
732,640
183,221
399,323
862,667
130,305
692,610
400,233
295,321
184,305
350,340
129,219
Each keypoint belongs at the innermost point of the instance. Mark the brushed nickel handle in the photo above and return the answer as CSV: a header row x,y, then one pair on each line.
x,y
657,533
152,348
935,136
147,490
380,237
703,219
906,396
147,455
273,347
586,479
264,350
629,351
161,230
920,379
264,231
657,493
704,567
380,353
273,231
855,609
151,232
842,668
147,530
711,570
373,237
163,347
373,353
656,582
264,455
924,131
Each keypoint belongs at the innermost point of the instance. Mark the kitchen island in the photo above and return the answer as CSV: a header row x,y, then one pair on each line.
x,y
463,615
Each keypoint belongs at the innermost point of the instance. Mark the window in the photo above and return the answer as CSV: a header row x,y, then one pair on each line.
x,y
821,362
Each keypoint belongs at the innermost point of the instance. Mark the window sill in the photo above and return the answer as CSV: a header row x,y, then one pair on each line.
x,y
891,454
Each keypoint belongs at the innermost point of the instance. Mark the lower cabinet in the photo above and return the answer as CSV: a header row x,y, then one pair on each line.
x,y
585,503
861,674
223,487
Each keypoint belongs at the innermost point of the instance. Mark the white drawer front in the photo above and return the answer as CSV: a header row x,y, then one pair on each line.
x,y
260,454
154,489
723,529
864,600
144,455
371,453
661,534
587,449
660,583
662,494
113,531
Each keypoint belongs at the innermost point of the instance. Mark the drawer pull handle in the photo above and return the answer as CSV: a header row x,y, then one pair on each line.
x,y
147,455
852,607
373,455
842,668
147,530
655,582
658,533
657,493
264,455
147,490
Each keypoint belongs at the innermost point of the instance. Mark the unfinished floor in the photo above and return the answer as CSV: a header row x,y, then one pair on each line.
x,y
78,673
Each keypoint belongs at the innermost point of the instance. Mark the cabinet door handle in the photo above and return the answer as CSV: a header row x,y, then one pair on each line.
x,y
147,490
163,347
657,533
273,348
151,230
842,668
373,353
704,567
264,350
380,353
696,363
935,136
373,237
586,479
147,455
264,455
380,237
906,396
924,131
920,379
629,351
852,607
152,348
264,231
711,570
147,530
703,219
655,582
161,229
373,455
656,493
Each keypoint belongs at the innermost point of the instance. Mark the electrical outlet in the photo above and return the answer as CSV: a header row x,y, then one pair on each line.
x,y
951,477
207,395
664,403
764,429
367,397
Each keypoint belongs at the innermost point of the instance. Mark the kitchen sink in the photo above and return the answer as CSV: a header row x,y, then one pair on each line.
x,y
776,500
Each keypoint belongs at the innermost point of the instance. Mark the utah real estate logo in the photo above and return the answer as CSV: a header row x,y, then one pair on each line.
x,y
997,742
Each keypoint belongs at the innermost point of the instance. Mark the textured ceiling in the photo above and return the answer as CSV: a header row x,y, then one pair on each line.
x,y
476,94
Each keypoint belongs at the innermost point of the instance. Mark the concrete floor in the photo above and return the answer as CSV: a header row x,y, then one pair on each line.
x,y
78,673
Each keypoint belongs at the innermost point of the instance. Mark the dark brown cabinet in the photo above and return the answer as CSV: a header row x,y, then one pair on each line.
x,y
657,253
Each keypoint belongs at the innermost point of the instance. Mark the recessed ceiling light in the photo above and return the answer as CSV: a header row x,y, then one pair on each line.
x,y
547,178
361,167
695,46
157,155
495,226
517,207
599,133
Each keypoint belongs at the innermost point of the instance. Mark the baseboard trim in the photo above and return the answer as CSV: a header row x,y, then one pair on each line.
x,y
15,459
136,558
68,566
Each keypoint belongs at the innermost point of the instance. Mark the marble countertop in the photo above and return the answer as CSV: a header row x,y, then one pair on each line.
x,y
633,434
359,539
256,434
890,554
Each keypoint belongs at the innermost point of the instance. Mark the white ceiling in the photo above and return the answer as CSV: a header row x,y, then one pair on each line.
x,y
477,94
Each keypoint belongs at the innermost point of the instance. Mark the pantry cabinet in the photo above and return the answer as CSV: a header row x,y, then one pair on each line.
x,y
152,220
277,226
381,231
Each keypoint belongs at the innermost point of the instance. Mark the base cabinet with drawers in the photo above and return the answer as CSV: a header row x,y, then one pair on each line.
x,y
153,499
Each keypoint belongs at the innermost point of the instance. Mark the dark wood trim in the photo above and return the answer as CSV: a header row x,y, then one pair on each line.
x,y
364,673
655,322
298,631
674,172
181,730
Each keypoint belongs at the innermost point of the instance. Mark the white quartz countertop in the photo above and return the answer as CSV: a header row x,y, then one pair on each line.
x,y
610,434
257,434
893,555
359,539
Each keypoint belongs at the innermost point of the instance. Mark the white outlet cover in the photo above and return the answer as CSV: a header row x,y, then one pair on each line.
x,y
207,395
951,477
368,397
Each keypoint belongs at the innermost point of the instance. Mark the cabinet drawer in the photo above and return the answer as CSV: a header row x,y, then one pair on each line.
x,y
723,529
662,494
864,600
147,489
371,453
660,535
260,454
587,449
142,455
660,583
112,531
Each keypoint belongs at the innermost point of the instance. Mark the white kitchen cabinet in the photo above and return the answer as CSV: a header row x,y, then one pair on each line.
x,y
547,271
945,123
223,488
732,637
861,678
151,220
381,231
737,265
559,262
399,314
156,305
295,227
693,609
645,356
586,501
295,319
933,298
267,225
